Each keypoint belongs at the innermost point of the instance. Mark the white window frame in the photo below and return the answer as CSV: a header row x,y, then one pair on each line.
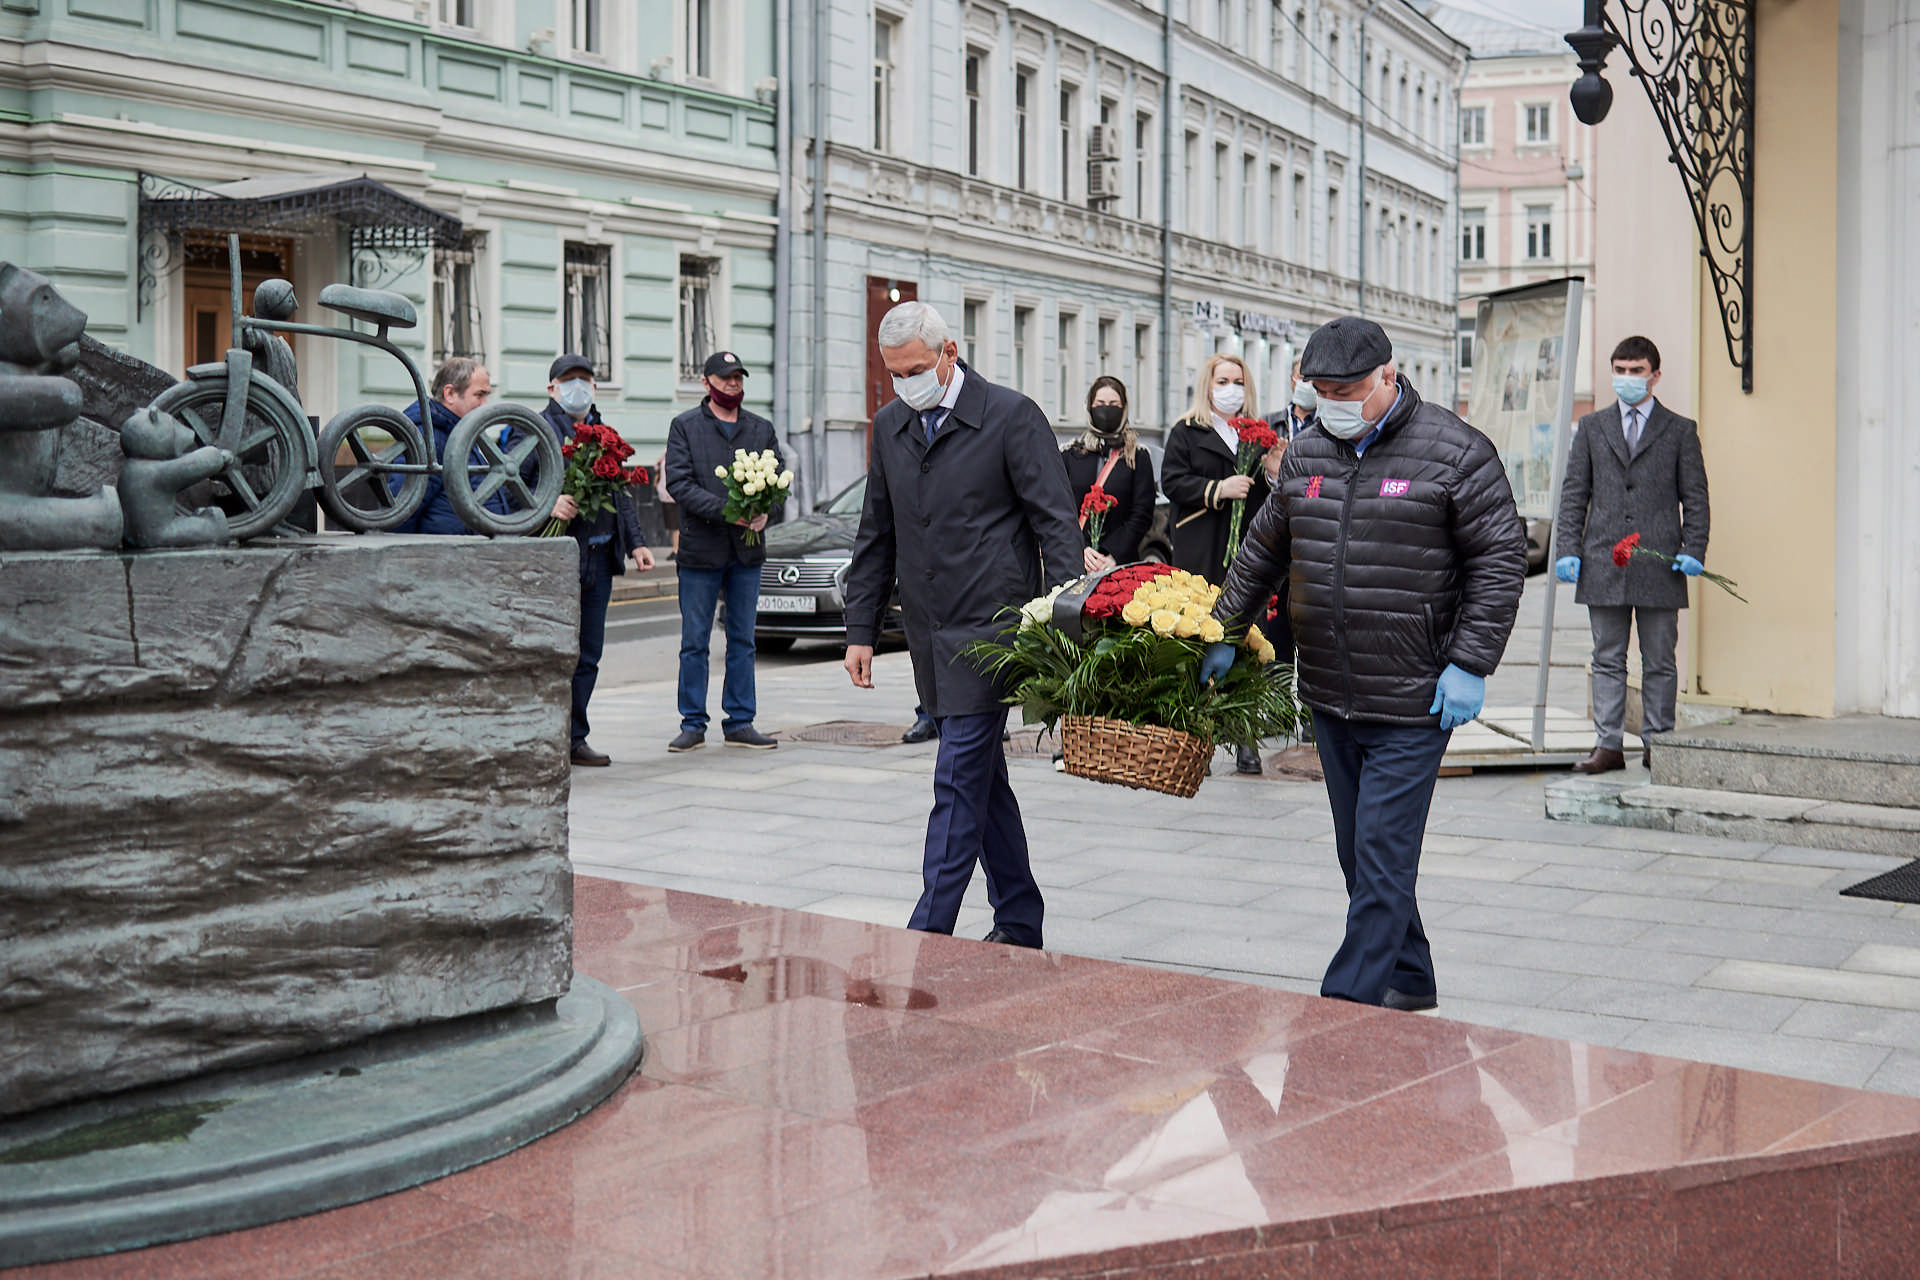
x,y
447,263
1473,220
1025,359
1070,340
1067,105
1524,124
1146,193
1142,389
1476,114
574,298
687,346
884,104
724,41
977,144
1539,232
976,312
1026,81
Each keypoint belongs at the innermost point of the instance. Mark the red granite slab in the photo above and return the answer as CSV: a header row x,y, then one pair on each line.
x,y
824,1098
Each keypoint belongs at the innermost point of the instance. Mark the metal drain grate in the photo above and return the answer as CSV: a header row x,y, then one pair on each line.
x,y
848,733
1902,884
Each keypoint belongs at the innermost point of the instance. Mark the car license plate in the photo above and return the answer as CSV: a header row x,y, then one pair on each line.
x,y
786,604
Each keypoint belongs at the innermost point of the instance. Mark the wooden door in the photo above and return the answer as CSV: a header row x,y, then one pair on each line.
x,y
882,296
206,292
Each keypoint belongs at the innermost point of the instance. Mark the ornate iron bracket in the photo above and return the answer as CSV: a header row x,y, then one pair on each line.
x,y
1695,59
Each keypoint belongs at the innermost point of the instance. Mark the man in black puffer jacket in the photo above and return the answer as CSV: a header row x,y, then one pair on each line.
x,y
1395,530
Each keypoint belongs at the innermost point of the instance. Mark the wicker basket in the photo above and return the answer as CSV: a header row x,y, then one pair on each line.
x,y
1144,756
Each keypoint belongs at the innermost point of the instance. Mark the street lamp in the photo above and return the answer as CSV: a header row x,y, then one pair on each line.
x,y
1591,95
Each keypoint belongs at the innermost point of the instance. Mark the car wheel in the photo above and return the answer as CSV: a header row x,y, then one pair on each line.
x,y
772,644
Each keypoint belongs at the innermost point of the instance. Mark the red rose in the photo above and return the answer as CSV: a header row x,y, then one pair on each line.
x,y
566,450
607,467
642,476
1623,549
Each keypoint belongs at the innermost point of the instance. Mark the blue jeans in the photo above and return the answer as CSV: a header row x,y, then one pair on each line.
x,y
700,591
596,588
1380,785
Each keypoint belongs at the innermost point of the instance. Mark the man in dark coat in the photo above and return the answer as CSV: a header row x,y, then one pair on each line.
x,y
968,507
1404,555
1635,467
717,560
607,539
460,385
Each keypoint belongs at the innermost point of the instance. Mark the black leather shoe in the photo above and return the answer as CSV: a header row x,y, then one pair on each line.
x,y
1406,1003
1002,936
1603,760
1247,760
923,730
688,740
749,737
583,754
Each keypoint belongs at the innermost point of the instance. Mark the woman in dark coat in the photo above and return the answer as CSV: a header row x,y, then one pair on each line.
x,y
1202,479
1109,447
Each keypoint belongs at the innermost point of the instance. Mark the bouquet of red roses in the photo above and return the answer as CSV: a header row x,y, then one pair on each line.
x,y
1256,438
1629,547
596,471
1093,514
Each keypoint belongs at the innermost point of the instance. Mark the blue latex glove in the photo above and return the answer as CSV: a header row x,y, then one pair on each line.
x,y
1688,565
1214,662
1567,568
1458,697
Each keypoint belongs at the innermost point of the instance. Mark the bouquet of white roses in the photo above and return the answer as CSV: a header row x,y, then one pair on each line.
x,y
755,486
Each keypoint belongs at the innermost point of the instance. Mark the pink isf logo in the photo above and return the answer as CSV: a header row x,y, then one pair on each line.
x,y
1313,487
1395,488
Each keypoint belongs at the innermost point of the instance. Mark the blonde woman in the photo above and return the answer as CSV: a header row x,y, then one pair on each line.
x,y
1201,473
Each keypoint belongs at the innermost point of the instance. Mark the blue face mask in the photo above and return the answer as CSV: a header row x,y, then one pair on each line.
x,y
575,396
1630,387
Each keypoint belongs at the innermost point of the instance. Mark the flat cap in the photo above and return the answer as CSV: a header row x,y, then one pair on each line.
x,y
567,364
723,364
1344,349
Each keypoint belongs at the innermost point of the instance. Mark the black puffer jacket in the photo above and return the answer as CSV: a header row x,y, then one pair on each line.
x,y
1398,561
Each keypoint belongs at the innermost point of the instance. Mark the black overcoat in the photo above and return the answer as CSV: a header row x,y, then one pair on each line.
x,y
1660,494
979,520
697,442
1132,488
1197,461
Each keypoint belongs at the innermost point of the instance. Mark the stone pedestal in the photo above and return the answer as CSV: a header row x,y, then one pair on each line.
x,y
266,800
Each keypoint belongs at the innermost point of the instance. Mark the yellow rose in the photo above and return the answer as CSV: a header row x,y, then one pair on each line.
x,y
1186,628
1135,613
1192,610
1211,631
1266,654
1162,621
1255,639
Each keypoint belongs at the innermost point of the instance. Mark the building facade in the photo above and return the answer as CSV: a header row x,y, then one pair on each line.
x,y
535,175
1528,177
1096,186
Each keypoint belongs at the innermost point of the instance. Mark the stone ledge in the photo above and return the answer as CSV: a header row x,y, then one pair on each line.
x,y
1792,820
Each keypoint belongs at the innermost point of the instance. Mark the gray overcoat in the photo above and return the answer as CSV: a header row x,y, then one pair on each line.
x,y
964,525
1660,493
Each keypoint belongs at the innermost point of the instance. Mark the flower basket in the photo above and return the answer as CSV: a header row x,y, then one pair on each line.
x,y
1146,757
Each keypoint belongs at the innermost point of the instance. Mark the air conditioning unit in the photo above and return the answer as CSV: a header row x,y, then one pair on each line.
x,y
1103,142
1103,179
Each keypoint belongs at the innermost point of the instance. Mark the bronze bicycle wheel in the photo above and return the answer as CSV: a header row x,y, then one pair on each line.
x,y
269,472
374,464
500,481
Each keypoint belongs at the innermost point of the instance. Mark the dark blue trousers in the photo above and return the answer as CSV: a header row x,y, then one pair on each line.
x,y
976,819
1380,784
596,588
701,591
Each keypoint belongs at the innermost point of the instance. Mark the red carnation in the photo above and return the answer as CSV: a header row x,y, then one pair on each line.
x,y
1623,549
1255,432
1097,500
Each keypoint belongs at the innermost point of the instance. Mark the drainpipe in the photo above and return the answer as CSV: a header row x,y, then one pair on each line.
x,y
1360,199
817,407
1453,339
783,241
1166,218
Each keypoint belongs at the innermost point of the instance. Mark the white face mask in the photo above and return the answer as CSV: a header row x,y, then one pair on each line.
x,y
1304,396
1228,398
922,390
1343,418
574,395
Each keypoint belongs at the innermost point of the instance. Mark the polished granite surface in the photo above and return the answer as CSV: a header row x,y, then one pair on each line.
x,y
825,1098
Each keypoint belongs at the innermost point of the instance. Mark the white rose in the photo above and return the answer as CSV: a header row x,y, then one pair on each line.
x,y
721,472
786,480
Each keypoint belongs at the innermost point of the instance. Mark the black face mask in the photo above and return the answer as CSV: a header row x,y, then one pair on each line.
x,y
1107,419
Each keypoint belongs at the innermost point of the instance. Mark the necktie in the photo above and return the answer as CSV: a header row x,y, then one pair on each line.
x,y
1633,430
930,419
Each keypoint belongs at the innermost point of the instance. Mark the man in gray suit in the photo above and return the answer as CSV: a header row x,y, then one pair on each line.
x,y
968,508
1635,467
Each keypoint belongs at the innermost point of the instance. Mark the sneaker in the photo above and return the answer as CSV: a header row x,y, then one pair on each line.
x,y
689,740
1059,762
750,737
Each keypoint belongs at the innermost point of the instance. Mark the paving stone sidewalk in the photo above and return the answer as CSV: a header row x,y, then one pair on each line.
x,y
1704,948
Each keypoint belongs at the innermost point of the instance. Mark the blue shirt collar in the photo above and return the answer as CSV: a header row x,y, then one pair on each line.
x,y
1360,445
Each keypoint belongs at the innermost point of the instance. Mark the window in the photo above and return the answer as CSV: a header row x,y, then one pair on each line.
x,y
1270,229
1104,334
1473,126
1069,360
697,60
1278,43
1142,364
588,36
1195,189
1336,245
1464,341
1539,122
1418,124
1022,125
458,13
1222,210
1223,21
589,305
1069,110
456,302
1539,232
696,315
974,124
1473,235
1297,229
1142,163
1298,34
884,33
1249,190
1022,343
972,315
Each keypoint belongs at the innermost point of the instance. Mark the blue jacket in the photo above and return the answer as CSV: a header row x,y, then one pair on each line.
x,y
436,513
606,539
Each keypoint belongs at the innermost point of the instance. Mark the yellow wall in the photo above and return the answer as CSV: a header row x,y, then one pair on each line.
x,y
1771,455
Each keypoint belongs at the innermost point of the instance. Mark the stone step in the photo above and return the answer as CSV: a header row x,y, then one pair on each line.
x,y
1862,760
1735,815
